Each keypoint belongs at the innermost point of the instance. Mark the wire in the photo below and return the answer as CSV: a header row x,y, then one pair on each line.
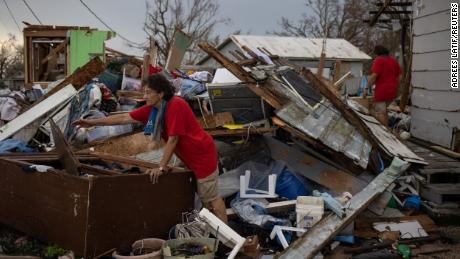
x,y
106,25
12,16
32,11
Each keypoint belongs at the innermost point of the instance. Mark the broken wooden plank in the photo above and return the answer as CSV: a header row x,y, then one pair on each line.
x,y
59,48
78,79
40,109
66,156
177,49
133,161
241,74
324,231
130,94
254,55
429,249
96,170
240,132
216,120
379,12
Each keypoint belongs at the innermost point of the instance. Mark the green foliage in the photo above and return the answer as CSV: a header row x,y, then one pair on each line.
x,y
54,251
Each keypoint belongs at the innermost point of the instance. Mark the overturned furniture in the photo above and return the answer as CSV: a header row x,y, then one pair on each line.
x,y
94,209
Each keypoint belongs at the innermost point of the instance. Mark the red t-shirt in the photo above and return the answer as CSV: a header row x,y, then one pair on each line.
x,y
195,146
386,85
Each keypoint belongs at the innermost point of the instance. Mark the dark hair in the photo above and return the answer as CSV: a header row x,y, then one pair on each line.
x,y
380,50
160,84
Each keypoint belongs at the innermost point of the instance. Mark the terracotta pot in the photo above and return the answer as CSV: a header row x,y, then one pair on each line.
x,y
150,245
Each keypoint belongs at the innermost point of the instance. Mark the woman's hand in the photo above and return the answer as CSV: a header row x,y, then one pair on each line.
x,y
155,174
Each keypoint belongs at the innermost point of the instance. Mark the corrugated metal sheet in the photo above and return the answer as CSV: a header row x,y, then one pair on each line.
x,y
320,120
330,128
298,47
389,142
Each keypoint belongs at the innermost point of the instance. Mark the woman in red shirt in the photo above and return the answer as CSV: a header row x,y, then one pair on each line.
x,y
386,75
171,118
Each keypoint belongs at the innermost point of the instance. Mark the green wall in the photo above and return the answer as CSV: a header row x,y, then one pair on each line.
x,y
84,45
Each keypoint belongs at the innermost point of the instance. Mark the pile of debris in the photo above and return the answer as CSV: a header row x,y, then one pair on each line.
x,y
305,173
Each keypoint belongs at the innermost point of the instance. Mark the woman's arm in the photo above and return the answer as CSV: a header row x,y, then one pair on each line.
x,y
117,119
371,81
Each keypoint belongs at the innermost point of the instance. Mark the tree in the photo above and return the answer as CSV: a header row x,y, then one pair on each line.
x,y
11,57
197,18
340,19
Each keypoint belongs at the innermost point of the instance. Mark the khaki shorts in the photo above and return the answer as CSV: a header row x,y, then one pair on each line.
x,y
380,107
207,187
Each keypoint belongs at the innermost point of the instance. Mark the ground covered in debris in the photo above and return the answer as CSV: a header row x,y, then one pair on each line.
x,y
15,243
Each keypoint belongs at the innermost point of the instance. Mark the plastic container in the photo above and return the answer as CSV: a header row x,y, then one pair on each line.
x,y
412,201
289,186
152,247
309,211
170,245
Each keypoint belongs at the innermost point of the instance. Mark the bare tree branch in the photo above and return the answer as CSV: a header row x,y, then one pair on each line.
x,y
11,61
197,18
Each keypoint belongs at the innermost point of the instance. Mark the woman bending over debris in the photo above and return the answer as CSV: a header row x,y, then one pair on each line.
x,y
170,117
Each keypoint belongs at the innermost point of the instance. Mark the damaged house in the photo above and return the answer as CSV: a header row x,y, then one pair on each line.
x,y
301,52
306,171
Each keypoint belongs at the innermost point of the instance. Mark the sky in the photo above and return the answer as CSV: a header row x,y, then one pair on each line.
x,y
126,17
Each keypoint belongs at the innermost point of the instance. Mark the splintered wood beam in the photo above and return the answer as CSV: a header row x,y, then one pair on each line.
x,y
334,97
240,132
78,79
247,62
242,74
337,65
379,12
254,55
235,55
66,155
325,230
322,58
53,53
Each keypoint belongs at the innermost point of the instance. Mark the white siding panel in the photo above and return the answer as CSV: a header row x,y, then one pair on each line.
x,y
434,126
431,61
432,23
436,100
432,42
432,80
433,6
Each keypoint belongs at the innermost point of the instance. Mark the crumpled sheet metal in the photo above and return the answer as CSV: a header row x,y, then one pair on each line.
x,y
389,143
330,128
